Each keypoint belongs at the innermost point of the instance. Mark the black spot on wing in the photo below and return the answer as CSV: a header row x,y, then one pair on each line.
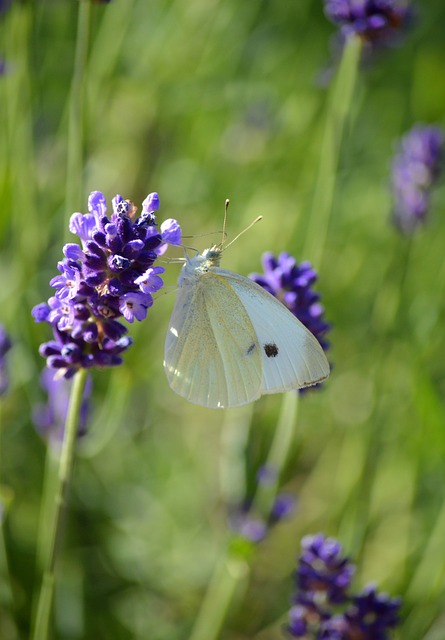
x,y
271,350
250,349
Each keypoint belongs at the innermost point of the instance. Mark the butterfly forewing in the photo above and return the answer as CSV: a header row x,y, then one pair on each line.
x,y
291,356
212,355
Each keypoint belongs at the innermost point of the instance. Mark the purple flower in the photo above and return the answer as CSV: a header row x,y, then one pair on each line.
x,y
134,306
324,608
292,284
150,282
377,22
111,275
372,614
247,525
298,625
171,231
151,203
323,568
267,475
416,167
4,5
283,507
50,419
5,346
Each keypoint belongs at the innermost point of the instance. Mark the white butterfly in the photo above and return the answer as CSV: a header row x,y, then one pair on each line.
x,y
230,341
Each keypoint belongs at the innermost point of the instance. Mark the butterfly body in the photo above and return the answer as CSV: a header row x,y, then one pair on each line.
x,y
230,341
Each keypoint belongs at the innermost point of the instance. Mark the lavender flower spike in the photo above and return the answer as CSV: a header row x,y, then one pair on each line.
x,y
5,346
324,608
416,167
292,284
109,276
377,22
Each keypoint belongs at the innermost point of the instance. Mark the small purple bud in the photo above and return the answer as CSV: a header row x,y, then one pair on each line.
x,y
83,225
97,205
72,251
171,232
40,312
151,203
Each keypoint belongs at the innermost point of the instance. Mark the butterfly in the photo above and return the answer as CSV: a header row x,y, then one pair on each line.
x,y
230,341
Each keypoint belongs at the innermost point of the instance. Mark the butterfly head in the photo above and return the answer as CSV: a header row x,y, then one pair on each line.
x,y
213,255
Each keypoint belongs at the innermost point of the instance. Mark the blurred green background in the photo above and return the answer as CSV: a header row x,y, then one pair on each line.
x,y
202,100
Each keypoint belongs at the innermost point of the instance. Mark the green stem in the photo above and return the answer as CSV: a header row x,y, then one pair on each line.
x,y
225,580
233,567
74,181
279,450
338,109
44,604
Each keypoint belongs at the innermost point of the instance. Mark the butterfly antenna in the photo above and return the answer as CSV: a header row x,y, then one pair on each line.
x,y
244,230
226,208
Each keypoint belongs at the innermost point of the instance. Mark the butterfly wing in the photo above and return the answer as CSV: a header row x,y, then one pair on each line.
x,y
212,354
292,358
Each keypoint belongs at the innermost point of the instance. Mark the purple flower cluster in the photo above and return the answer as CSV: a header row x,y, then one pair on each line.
x,y
376,22
254,527
416,167
5,345
5,5
323,607
112,275
292,284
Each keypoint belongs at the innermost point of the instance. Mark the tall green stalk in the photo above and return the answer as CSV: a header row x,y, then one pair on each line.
x,y
278,453
53,530
232,568
74,178
339,107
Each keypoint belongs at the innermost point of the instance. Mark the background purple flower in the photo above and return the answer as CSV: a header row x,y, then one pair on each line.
x,y
292,284
5,5
324,608
377,22
5,346
416,167
109,277
323,568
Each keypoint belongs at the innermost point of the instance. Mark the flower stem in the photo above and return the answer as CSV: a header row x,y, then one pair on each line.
x,y
74,182
233,567
44,605
225,580
340,102
284,432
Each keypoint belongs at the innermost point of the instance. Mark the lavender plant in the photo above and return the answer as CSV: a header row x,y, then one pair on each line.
x,y
248,522
377,23
416,167
112,275
5,346
324,607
